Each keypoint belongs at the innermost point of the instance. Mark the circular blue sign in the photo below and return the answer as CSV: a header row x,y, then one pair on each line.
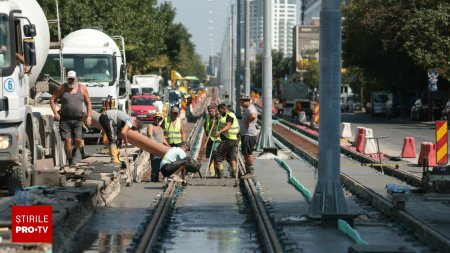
x,y
9,85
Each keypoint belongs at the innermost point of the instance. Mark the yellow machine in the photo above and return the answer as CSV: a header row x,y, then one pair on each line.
x,y
178,82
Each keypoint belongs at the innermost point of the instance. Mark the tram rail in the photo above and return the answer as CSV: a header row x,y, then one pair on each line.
x,y
301,144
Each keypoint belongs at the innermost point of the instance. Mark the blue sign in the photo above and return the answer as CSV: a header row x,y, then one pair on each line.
x,y
9,85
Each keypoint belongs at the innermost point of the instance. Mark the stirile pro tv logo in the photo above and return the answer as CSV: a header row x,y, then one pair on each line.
x,y
31,224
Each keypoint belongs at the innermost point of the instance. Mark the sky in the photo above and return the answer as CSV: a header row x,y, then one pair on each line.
x,y
207,29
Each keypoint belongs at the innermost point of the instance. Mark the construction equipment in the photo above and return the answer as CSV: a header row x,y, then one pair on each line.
x,y
27,131
100,65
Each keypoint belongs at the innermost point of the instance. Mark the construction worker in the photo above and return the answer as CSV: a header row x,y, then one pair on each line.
x,y
175,161
155,132
211,126
174,128
249,133
228,133
72,96
116,124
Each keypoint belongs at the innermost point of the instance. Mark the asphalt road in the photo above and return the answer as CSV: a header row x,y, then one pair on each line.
x,y
395,129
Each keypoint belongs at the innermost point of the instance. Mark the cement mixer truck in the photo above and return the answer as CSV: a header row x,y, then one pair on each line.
x,y
29,139
99,63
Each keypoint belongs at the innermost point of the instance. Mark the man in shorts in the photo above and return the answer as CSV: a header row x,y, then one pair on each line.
x,y
249,133
72,96
228,133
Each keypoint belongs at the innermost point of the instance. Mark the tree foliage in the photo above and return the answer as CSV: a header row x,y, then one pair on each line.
x,y
151,37
396,42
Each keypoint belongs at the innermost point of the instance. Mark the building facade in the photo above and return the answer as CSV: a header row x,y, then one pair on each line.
x,y
284,18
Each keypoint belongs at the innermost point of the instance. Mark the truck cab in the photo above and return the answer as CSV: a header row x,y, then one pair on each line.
x,y
99,64
28,134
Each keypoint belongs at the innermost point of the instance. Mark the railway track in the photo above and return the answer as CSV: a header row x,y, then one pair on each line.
x,y
304,144
175,213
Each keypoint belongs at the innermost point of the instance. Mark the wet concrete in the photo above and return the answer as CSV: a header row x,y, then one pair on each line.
x,y
111,229
210,219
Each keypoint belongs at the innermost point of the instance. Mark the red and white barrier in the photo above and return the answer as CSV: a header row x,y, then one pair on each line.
x,y
346,131
370,147
359,130
427,149
409,148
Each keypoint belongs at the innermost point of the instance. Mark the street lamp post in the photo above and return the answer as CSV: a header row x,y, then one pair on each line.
x,y
266,139
328,196
238,61
247,47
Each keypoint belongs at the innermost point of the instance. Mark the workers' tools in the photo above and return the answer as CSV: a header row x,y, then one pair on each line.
x,y
209,134
236,172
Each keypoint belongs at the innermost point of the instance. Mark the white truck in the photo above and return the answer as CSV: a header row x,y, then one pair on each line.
x,y
149,83
99,63
30,145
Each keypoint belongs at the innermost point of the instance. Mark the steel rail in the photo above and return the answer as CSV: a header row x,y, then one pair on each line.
x,y
424,231
269,236
400,174
153,229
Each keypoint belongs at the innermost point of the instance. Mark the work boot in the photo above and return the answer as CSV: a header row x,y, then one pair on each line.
x,y
70,161
212,171
219,170
233,172
249,171
114,152
154,177
83,154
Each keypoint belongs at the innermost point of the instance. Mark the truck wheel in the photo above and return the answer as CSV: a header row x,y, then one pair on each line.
x,y
20,176
26,161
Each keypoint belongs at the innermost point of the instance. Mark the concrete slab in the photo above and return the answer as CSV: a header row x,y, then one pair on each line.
x,y
289,208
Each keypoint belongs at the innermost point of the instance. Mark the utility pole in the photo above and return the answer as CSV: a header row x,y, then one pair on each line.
x,y
247,47
328,196
232,69
238,61
266,139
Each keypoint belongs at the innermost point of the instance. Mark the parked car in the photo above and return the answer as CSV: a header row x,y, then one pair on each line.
x,y
419,110
143,108
378,102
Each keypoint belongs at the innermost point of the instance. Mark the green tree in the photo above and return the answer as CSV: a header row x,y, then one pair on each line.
x,y
147,27
395,42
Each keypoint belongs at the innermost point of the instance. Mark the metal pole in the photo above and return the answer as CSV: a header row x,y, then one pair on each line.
x,y
266,139
328,196
232,69
238,61
247,47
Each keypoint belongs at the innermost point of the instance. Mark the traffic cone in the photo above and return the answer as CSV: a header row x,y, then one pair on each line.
x,y
409,148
